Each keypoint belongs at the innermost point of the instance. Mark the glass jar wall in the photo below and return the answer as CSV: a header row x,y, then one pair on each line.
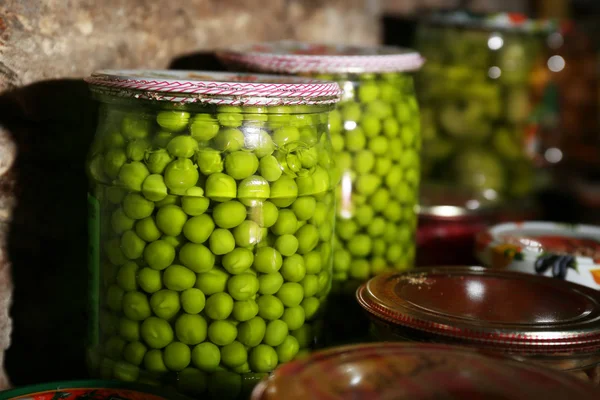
x,y
211,226
479,122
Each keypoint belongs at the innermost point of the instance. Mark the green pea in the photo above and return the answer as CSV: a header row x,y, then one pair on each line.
x,y
308,238
312,262
247,234
154,188
120,222
178,278
238,260
229,139
350,111
269,307
137,207
220,187
371,126
212,281
241,165
170,219
267,260
304,335
379,246
390,127
134,353
360,245
198,229
311,306
265,214
288,349
126,276
304,208
286,244
293,268
253,189
225,385
263,358
132,245
114,297
136,150
393,254
294,317
261,143
270,169
173,120
275,333
196,257
310,285
222,332
229,214
206,356
175,241
359,269
393,212
165,304
234,354
191,329
244,310
192,381
115,194
170,200
355,139
129,329
114,159
135,126
286,223
204,127
157,161
219,306
285,135
192,301
159,254
342,260
291,294
221,241
162,138
114,139
114,347
132,175
136,306
177,356
252,332
242,287
150,280
284,191
147,230
153,361
378,265
181,174
126,372
367,92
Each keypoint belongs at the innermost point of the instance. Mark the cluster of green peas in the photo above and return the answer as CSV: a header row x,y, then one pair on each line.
x,y
375,134
215,229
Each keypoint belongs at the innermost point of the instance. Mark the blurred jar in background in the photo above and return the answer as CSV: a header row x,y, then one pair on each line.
x,y
479,121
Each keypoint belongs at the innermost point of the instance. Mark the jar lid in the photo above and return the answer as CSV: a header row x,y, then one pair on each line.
x,y
501,310
444,201
415,371
214,87
503,21
292,57
570,252
92,389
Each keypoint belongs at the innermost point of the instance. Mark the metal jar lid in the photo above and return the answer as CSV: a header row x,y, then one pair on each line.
x,y
486,308
417,372
235,89
290,57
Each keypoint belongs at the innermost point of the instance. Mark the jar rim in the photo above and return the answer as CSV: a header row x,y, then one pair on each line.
x,y
293,57
210,87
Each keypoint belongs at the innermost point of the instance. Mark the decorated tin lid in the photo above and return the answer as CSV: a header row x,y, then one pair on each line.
x,y
90,389
444,201
291,57
570,252
415,371
486,308
214,87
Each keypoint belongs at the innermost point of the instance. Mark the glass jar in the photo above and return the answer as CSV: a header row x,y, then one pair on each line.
x,y
530,318
415,371
478,120
211,226
375,133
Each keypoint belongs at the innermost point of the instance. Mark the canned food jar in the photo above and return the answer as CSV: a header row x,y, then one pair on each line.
x,y
405,371
211,224
479,121
566,252
375,132
449,220
530,318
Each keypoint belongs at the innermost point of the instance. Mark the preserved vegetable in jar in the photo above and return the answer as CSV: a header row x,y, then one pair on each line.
x,y
211,222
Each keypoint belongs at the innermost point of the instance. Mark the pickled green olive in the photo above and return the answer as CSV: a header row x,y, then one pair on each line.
x,y
216,242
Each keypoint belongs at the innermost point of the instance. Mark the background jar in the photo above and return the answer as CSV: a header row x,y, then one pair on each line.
x,y
211,226
480,114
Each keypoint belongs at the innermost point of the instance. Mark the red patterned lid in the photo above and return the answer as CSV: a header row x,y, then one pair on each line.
x,y
214,87
416,371
487,308
291,57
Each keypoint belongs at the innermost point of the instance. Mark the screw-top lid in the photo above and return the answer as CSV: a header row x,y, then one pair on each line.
x,y
501,310
445,201
416,372
291,57
214,87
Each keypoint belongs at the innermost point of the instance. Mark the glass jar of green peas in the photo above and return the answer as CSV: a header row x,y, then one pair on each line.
x,y
211,226
375,133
